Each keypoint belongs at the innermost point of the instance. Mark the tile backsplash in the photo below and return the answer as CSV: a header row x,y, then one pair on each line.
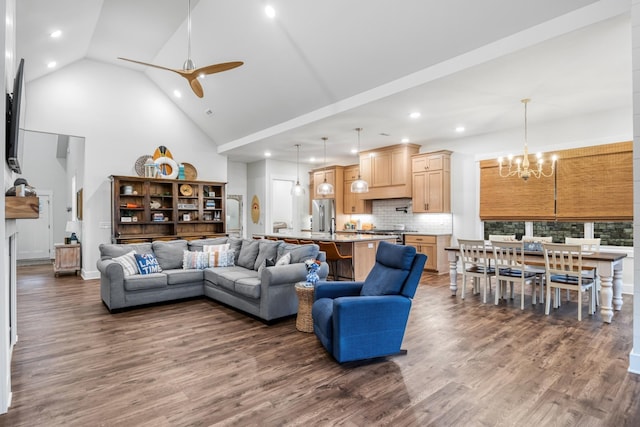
x,y
387,213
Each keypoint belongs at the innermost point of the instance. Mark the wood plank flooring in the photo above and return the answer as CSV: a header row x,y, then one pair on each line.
x,y
198,363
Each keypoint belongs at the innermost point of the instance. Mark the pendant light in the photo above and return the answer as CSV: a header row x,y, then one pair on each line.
x,y
297,190
359,185
325,189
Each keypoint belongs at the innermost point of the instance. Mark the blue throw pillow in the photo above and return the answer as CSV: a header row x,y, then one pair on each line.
x,y
147,263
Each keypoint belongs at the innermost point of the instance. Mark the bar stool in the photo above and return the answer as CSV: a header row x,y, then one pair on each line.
x,y
292,241
305,242
334,257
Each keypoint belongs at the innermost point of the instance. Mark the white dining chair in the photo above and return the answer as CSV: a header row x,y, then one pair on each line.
x,y
476,265
538,267
564,271
510,267
588,245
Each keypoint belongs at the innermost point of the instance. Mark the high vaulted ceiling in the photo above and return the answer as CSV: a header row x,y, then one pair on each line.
x,y
324,68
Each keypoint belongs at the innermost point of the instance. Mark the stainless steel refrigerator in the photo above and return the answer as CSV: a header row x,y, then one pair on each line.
x,y
323,216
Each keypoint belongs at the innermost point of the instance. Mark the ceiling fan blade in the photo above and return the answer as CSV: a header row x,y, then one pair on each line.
x,y
217,68
151,65
196,87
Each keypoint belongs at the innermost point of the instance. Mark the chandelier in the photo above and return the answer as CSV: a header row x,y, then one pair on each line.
x,y
359,185
522,169
297,190
325,189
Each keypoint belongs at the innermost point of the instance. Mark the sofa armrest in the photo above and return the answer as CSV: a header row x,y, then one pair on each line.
x,y
111,283
337,289
291,273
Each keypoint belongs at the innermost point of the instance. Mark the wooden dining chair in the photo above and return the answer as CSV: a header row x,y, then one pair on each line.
x,y
588,245
564,271
510,267
537,266
476,265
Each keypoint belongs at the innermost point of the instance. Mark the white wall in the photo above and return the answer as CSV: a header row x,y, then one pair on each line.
x,y
256,186
122,116
237,184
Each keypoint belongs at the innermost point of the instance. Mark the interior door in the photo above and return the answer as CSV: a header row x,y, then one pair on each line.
x,y
35,235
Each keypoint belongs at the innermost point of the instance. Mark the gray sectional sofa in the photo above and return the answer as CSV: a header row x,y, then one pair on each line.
x,y
253,284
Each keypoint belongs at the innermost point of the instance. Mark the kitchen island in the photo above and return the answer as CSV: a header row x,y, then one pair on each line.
x,y
362,248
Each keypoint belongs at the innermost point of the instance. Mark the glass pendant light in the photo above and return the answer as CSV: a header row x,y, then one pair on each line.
x,y
297,190
359,185
325,189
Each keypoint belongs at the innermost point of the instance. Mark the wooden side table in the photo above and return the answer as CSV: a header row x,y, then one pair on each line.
x,y
304,321
67,258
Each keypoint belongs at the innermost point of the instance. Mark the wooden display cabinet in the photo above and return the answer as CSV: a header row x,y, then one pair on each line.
x,y
147,209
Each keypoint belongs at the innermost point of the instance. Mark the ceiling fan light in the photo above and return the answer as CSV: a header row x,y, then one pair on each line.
x,y
359,186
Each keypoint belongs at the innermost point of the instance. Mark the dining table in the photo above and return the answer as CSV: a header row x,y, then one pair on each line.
x,y
608,267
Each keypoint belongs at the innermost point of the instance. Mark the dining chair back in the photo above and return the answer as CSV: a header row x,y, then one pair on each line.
x,y
476,265
588,245
537,239
564,271
510,267
502,237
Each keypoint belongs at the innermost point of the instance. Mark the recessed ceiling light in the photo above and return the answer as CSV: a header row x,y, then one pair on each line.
x,y
55,34
354,151
51,64
177,93
267,154
460,129
270,11
404,140
312,159
415,115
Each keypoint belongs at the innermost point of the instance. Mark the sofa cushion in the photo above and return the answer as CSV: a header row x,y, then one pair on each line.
x,y
195,260
147,263
268,249
128,263
149,281
235,244
393,263
198,244
249,287
248,253
299,253
169,254
227,276
112,250
181,277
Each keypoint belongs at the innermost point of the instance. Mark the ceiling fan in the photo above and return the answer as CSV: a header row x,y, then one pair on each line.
x,y
189,70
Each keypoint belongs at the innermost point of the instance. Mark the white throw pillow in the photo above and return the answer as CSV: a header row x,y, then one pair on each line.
x,y
284,259
215,248
128,263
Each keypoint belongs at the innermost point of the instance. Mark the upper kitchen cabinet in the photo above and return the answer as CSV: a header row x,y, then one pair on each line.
x,y
431,173
333,175
354,203
388,171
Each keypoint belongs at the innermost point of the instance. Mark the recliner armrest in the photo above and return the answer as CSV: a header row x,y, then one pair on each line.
x,y
337,289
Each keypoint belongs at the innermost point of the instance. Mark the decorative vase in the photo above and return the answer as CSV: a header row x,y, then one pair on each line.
x,y
312,278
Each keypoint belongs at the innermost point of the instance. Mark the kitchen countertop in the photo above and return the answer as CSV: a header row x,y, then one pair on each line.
x,y
326,237
368,232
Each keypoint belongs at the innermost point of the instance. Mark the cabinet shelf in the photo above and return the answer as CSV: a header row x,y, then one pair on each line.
x,y
165,192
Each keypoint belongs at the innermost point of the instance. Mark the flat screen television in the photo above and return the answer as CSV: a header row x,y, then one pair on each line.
x,y
14,114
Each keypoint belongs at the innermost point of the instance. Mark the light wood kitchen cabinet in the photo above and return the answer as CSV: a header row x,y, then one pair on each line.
x,y
388,172
433,247
431,182
354,203
67,258
333,176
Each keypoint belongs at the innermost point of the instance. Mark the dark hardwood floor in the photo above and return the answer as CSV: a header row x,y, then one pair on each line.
x,y
198,363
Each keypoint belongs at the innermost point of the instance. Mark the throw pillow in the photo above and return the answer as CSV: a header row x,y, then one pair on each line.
x,y
195,260
269,262
215,248
267,249
284,259
198,244
248,254
128,263
221,259
299,253
147,263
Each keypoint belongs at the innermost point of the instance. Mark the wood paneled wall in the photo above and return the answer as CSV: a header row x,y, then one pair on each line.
x,y
590,184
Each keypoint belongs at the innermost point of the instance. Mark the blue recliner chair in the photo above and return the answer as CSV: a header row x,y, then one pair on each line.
x,y
364,320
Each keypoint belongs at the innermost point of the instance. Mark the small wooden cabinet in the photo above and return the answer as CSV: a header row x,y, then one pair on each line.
x,y
433,247
354,203
67,258
431,176
388,171
147,209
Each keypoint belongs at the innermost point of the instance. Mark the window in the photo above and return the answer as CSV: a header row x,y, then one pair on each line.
x,y
614,233
504,228
558,230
